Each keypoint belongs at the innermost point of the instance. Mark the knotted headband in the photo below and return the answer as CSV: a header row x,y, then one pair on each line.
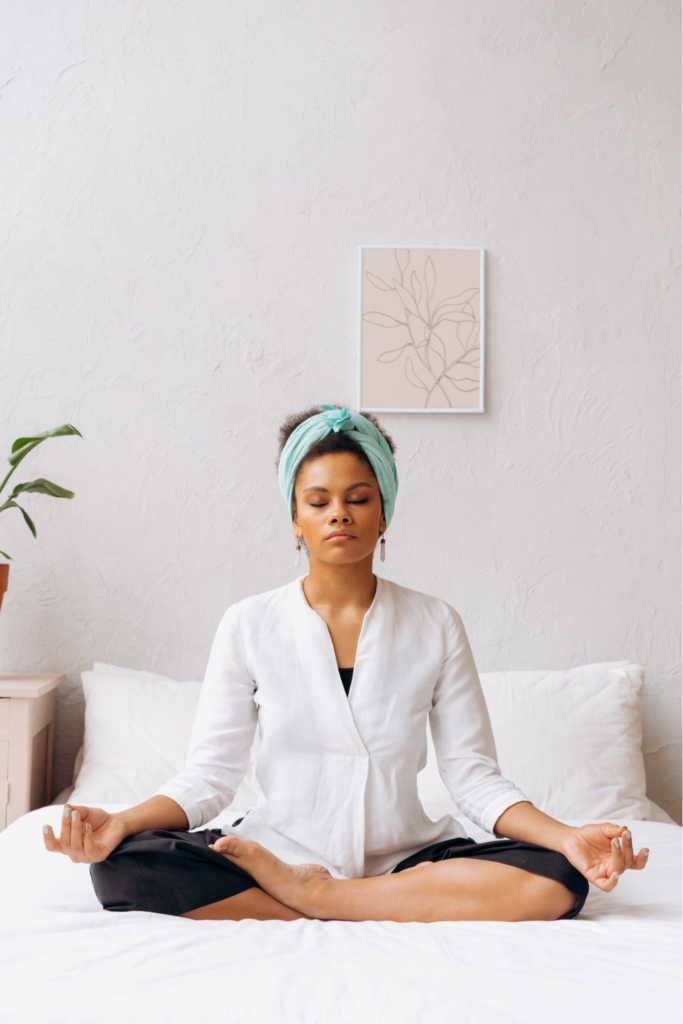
x,y
361,430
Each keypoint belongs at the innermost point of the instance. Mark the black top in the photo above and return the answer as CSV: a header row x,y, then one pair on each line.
x,y
346,676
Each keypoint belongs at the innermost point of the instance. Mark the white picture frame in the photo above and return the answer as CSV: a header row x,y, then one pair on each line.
x,y
414,370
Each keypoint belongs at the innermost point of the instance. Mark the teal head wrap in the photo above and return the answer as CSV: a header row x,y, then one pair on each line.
x,y
361,430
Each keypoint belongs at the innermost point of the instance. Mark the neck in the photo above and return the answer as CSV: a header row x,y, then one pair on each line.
x,y
340,586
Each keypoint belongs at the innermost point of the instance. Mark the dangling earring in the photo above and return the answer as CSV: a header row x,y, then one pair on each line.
x,y
297,556
381,549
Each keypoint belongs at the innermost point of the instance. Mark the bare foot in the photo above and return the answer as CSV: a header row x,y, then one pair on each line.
x,y
295,885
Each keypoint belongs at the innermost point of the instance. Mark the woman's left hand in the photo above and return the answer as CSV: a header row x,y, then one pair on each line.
x,y
602,853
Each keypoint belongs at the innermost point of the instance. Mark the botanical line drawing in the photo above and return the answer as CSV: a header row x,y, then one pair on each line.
x,y
431,353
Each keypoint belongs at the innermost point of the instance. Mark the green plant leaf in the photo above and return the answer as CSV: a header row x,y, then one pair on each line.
x,y
5,555
23,445
29,521
12,504
42,486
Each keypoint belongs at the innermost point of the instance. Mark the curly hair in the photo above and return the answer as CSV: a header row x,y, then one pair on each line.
x,y
332,442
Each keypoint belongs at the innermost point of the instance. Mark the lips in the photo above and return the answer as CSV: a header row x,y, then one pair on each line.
x,y
340,534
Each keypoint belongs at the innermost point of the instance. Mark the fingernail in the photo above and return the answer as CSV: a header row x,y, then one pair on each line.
x,y
627,835
67,812
617,843
86,826
617,876
646,853
74,815
45,829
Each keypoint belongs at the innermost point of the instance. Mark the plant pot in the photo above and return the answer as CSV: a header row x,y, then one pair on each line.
x,y
4,577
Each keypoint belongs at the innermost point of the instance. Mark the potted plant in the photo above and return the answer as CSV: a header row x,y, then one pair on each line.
x,y
20,449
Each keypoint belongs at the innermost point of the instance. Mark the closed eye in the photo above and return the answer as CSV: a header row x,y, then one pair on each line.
x,y
319,504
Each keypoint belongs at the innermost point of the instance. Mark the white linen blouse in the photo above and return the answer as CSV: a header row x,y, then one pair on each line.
x,y
338,774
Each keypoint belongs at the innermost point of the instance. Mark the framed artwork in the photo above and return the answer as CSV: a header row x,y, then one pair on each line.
x,y
421,329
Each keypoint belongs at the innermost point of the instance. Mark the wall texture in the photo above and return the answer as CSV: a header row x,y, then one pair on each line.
x,y
183,188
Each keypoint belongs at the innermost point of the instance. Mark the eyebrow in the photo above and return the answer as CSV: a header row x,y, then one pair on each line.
x,y
361,483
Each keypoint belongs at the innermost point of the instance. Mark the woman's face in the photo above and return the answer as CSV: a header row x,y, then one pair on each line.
x,y
338,492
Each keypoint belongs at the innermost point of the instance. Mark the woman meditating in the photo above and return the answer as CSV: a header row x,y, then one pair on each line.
x,y
341,671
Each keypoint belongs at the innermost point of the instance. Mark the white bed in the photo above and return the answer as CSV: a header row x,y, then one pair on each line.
x,y
65,959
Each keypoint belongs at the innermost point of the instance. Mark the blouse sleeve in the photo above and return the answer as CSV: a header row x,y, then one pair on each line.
x,y
222,732
463,737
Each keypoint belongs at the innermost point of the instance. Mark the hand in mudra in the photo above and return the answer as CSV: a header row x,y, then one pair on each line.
x,y
84,845
593,851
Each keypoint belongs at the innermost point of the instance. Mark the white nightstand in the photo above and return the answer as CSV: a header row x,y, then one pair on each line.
x,y
27,723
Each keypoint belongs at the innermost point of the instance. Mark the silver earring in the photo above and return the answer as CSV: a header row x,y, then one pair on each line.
x,y
297,556
381,549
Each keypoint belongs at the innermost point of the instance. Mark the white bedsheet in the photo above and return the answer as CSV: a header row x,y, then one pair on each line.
x,y
64,959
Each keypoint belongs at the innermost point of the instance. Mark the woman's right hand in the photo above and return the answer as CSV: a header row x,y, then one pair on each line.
x,y
86,845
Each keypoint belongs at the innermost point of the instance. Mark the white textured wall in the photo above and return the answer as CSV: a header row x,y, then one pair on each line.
x,y
183,189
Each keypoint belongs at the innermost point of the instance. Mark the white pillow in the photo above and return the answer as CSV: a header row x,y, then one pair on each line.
x,y
101,666
137,734
570,739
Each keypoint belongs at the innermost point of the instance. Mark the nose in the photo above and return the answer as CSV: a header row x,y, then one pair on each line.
x,y
335,517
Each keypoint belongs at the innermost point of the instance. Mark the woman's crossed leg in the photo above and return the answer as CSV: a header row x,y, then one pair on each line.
x,y
253,904
462,889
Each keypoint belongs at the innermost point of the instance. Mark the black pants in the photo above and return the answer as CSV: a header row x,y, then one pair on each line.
x,y
174,871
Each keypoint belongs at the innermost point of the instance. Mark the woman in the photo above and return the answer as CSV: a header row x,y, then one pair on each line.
x,y
338,831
